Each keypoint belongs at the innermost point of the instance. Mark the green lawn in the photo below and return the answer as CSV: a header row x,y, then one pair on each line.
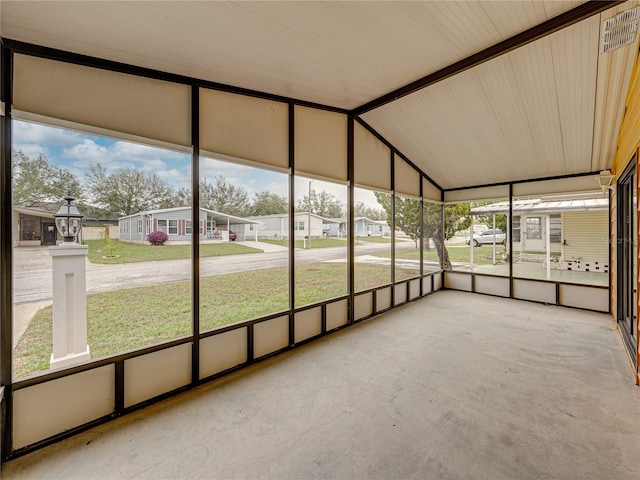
x,y
131,318
373,239
315,242
134,252
378,239
481,255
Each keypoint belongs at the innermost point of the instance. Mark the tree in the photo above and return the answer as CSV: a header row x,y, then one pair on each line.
x,y
407,210
268,203
361,209
127,191
323,204
222,196
456,217
219,195
407,214
36,181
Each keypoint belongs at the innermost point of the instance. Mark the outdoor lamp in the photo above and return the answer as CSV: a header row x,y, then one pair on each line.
x,y
604,179
68,220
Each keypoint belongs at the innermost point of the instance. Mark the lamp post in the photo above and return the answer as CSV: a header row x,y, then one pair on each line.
x,y
69,290
68,220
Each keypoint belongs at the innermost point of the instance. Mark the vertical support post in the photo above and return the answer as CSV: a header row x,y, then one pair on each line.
x,y
510,239
350,216
6,253
471,232
442,239
195,233
494,238
309,215
548,244
119,387
422,235
69,305
292,213
393,228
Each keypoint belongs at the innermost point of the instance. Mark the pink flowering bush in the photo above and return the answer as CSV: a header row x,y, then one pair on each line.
x,y
157,238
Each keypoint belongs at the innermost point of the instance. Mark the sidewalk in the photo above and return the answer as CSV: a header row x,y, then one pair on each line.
x,y
22,315
265,247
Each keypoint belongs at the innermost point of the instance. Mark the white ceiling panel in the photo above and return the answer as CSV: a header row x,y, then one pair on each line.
x,y
341,54
526,114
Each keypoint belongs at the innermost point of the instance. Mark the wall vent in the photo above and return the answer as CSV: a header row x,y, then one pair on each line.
x,y
620,30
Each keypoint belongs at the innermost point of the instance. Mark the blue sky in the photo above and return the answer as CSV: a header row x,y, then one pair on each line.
x,y
76,151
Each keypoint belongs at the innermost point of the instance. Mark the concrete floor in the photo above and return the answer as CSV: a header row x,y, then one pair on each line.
x,y
456,385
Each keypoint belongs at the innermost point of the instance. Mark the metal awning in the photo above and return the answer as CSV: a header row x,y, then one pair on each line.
x,y
544,206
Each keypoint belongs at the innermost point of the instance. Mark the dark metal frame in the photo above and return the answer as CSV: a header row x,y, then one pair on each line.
x,y
624,269
195,229
6,256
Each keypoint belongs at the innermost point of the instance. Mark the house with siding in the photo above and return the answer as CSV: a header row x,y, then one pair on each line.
x,y
336,229
365,227
574,226
177,224
276,226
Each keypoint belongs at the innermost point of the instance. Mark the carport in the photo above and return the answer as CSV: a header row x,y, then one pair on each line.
x,y
219,225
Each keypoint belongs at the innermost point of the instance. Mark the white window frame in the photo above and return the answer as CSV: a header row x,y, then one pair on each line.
x,y
187,227
164,227
139,226
170,227
299,226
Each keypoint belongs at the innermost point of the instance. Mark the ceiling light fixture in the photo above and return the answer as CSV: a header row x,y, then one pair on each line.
x,y
605,179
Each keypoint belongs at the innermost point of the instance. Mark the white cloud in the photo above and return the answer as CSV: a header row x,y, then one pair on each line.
x,y
367,197
279,188
211,168
174,167
302,188
177,178
24,133
31,149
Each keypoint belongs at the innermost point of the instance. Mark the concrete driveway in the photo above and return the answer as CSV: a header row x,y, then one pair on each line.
x,y
32,268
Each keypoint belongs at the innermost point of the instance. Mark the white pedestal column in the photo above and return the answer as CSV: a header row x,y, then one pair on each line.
x,y
69,305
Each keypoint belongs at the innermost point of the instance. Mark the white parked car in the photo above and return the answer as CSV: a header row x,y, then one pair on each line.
x,y
487,238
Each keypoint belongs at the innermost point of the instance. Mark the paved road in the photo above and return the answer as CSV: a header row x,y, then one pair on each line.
x,y
32,275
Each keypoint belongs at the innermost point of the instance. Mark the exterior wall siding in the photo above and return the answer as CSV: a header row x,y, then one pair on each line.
x,y
628,144
586,235
128,227
180,216
278,227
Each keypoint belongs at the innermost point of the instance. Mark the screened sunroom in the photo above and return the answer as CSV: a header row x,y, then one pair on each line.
x,y
408,129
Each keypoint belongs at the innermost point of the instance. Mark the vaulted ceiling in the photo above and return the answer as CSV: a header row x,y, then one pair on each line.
x,y
547,106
